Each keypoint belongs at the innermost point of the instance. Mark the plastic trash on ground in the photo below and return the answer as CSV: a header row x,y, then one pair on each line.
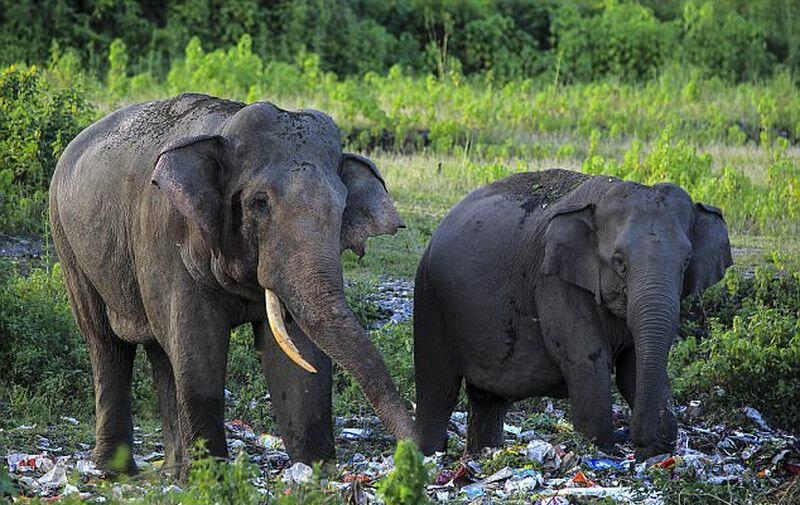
x,y
356,433
270,442
603,464
544,453
299,473
20,462
53,480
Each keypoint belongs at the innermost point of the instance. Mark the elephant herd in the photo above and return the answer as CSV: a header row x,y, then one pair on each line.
x,y
178,220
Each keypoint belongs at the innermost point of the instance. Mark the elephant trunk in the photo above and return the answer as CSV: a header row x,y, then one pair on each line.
x,y
315,297
653,313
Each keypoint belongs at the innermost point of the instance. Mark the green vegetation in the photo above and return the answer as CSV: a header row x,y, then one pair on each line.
x,y
745,351
405,485
37,121
519,39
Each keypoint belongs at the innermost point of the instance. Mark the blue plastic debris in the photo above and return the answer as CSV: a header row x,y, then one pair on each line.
x,y
603,464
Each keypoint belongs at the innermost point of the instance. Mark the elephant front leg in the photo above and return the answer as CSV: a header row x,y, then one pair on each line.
x,y
590,402
301,400
485,421
198,354
573,333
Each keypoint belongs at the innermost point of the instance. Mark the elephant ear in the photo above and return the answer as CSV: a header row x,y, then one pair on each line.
x,y
711,250
188,173
369,211
571,251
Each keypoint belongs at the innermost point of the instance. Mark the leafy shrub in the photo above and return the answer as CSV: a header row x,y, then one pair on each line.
x,y
405,485
751,348
36,124
748,207
43,359
215,481
624,39
706,30
42,355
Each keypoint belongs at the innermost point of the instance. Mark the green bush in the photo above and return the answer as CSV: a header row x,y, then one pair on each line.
x,y
506,39
405,485
36,124
624,40
749,207
43,361
707,28
749,346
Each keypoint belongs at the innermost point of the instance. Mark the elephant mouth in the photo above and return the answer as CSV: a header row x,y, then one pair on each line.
x,y
275,314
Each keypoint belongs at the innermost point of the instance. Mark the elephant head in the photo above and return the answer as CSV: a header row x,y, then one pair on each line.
x,y
638,250
273,201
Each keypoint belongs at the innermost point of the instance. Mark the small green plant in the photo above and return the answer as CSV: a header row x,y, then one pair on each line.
x,y
7,487
405,485
215,481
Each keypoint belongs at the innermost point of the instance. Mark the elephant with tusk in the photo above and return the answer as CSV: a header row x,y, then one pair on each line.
x,y
178,220
543,284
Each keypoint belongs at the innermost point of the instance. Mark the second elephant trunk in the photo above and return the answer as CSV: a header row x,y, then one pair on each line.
x,y
653,314
317,302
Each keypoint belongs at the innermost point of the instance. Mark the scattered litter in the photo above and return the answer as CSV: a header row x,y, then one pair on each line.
x,y
70,420
356,433
473,491
544,466
603,464
544,453
619,493
270,442
55,478
299,473
87,467
580,480
756,417
19,462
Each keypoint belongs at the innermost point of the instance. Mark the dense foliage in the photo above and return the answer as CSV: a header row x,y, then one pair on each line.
x,y
743,345
579,40
660,128
37,121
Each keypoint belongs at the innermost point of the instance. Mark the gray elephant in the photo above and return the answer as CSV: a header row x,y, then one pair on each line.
x,y
541,284
178,220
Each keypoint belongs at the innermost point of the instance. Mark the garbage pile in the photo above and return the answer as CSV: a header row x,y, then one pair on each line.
x,y
546,465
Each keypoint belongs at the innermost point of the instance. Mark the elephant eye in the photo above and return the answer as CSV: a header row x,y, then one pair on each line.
x,y
261,201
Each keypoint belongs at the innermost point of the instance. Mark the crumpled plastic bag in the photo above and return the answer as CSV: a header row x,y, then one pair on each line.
x,y
53,480
543,453
298,473
20,462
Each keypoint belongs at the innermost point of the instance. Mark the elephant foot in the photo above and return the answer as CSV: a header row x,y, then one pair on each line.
x,y
115,461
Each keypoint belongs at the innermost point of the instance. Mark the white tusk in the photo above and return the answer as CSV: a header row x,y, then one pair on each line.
x,y
279,331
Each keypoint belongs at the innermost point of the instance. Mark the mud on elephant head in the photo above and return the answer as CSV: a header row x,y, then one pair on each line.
x,y
639,250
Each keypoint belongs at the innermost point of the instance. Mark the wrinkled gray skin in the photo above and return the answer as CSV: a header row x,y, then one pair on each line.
x,y
542,284
172,217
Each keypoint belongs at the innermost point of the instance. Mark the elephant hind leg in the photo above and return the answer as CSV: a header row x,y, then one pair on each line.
x,y
436,374
168,407
112,368
485,420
